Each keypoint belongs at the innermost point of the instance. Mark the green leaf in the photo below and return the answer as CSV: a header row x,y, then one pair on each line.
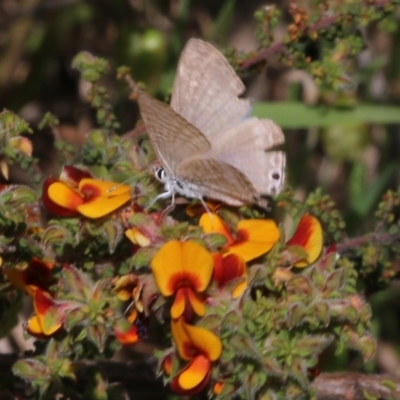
x,y
30,369
295,314
362,202
112,230
304,116
297,370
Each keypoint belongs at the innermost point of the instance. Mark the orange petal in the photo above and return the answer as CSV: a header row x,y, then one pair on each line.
x,y
98,207
186,301
212,223
217,388
255,237
126,333
309,236
194,373
167,365
64,196
196,304
192,340
179,264
179,304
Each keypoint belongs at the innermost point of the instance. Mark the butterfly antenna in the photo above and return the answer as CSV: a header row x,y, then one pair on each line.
x,y
138,177
208,211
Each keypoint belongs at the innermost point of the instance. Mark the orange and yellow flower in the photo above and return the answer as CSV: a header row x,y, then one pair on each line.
x,y
76,192
128,287
125,332
308,235
200,348
253,238
183,269
36,274
48,318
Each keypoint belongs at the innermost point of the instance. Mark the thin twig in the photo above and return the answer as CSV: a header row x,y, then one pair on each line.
x,y
381,238
278,47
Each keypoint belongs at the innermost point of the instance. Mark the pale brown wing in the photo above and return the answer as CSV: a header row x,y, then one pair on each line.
x,y
217,180
206,90
245,147
173,138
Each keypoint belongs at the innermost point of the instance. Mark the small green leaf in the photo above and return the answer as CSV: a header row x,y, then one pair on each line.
x,y
31,369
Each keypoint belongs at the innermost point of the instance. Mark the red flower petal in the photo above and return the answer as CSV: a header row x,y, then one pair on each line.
x,y
229,268
72,175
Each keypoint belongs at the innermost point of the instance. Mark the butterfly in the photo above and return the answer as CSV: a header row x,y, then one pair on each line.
x,y
205,141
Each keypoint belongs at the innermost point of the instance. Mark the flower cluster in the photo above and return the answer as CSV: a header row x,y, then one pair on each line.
x,y
229,288
185,270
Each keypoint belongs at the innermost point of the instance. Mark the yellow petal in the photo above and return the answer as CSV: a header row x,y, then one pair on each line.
x,y
179,264
255,237
102,188
212,223
137,237
207,342
98,207
64,196
190,340
33,326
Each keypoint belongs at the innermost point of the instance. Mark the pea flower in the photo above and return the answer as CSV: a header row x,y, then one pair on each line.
x,y
253,238
308,235
49,315
76,192
36,274
200,348
183,269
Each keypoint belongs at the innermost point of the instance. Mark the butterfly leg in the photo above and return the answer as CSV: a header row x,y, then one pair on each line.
x,y
165,195
170,207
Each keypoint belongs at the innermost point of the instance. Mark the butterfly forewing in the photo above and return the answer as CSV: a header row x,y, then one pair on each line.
x,y
206,90
174,139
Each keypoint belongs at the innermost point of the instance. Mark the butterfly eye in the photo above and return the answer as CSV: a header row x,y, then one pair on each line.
x,y
160,174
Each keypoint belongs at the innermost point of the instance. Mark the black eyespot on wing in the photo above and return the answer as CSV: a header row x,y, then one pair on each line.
x,y
276,176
